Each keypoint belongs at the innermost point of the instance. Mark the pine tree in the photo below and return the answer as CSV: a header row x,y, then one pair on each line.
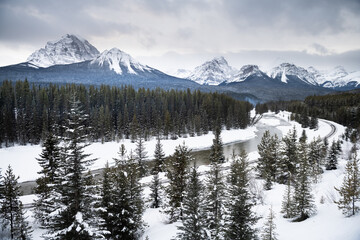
x,y
122,205
303,199
268,151
287,204
315,158
72,218
350,189
193,224
176,173
216,150
155,195
332,159
49,160
11,211
215,201
239,219
159,158
140,154
269,228
287,164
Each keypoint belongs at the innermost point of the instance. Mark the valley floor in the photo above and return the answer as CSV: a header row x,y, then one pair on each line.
x,y
327,224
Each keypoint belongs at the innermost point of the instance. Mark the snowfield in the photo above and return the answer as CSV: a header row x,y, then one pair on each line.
x,y
327,224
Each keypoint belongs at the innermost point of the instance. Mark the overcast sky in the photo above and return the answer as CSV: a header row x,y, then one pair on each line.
x,y
171,34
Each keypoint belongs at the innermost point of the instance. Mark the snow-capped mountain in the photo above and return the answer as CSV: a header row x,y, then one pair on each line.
x,y
120,62
212,72
180,73
287,71
69,49
245,72
336,78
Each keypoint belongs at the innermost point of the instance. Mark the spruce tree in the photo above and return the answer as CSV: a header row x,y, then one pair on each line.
x,y
287,204
177,173
269,228
72,218
303,199
315,158
140,154
11,211
268,151
239,219
215,201
216,150
122,205
332,159
287,164
193,222
159,158
156,193
350,189
49,160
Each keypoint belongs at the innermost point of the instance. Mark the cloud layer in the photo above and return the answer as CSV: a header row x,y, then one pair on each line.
x,y
193,27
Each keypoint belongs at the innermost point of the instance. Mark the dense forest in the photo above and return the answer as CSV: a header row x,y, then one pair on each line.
x,y
343,108
28,112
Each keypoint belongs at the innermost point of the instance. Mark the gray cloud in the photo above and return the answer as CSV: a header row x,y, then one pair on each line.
x,y
154,27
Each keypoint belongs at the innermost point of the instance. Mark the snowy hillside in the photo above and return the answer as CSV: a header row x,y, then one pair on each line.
x,y
212,72
335,78
327,224
119,61
69,49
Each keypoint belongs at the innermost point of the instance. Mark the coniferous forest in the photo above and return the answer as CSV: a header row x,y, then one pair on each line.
x,y
28,112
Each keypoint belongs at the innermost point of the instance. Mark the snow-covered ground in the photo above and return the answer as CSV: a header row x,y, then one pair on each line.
x,y
327,224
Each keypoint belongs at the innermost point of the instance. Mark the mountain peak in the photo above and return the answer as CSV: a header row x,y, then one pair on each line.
x,y
284,70
119,61
212,72
69,49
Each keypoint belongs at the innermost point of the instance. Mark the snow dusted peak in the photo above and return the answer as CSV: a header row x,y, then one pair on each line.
x,y
69,49
119,61
284,70
212,72
245,72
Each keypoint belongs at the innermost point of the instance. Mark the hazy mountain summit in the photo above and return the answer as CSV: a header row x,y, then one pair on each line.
x,y
69,49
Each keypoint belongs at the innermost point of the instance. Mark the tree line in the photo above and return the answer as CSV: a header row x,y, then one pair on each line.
x,y
28,111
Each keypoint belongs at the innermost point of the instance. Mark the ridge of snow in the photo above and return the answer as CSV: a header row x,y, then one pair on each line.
x,y
245,72
117,60
69,49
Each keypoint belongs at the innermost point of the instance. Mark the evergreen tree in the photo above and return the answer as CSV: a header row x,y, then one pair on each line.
x,y
287,204
159,158
155,195
72,218
332,159
269,155
176,173
239,219
315,158
140,154
49,160
122,205
11,211
303,198
215,201
193,224
216,150
269,228
287,164
350,189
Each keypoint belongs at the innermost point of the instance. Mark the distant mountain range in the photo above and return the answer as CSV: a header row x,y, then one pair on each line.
x,y
73,59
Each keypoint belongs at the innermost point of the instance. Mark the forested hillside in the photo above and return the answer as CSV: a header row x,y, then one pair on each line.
x,y
28,112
